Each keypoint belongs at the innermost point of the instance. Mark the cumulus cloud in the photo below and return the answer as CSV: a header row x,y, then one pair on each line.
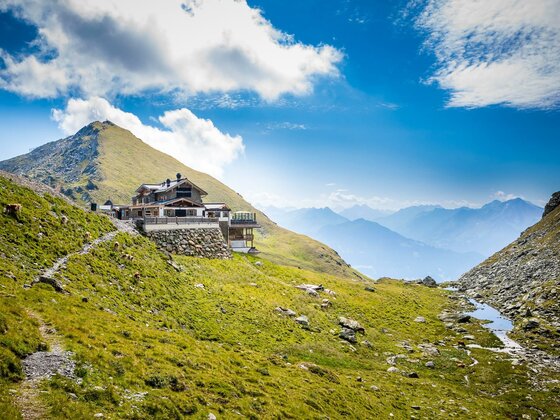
x,y
499,52
109,47
194,141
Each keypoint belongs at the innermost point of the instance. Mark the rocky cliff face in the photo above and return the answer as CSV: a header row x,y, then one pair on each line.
x,y
523,280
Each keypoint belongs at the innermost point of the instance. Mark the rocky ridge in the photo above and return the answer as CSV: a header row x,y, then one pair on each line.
x,y
523,280
67,161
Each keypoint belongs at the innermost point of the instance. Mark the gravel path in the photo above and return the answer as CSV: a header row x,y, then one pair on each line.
x,y
42,365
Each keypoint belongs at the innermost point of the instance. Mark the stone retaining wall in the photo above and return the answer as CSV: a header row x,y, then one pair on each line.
x,y
203,242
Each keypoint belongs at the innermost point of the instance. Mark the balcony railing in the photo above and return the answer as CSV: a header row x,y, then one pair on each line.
x,y
244,219
177,220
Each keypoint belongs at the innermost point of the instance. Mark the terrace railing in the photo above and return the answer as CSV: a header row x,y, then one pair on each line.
x,y
244,219
177,220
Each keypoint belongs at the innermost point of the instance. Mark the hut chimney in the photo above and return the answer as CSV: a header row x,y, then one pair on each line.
x,y
178,176
168,182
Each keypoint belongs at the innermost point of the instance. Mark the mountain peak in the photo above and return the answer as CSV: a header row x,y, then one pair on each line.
x,y
93,128
517,202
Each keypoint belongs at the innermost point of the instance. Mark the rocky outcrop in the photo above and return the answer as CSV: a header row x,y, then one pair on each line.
x,y
523,280
553,203
201,242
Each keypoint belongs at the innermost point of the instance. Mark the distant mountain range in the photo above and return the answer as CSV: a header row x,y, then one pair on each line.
x,y
308,221
363,211
374,249
483,230
415,241
379,252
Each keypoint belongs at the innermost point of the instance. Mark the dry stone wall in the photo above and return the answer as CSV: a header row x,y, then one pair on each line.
x,y
200,242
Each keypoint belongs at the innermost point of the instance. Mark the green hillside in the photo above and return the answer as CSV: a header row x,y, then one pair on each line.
x,y
151,339
104,161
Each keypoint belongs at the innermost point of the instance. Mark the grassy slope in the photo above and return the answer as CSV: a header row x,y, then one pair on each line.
x,y
126,162
223,349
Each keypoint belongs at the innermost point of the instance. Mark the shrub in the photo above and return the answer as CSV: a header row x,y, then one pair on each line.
x,y
157,381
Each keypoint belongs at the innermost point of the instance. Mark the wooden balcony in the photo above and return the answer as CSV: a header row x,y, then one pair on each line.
x,y
177,220
244,220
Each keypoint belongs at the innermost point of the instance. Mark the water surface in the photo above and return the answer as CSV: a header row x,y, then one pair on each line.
x,y
499,324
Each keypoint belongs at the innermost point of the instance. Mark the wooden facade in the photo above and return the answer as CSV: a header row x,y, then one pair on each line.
x,y
178,204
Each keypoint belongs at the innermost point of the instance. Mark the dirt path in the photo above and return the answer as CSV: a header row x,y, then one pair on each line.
x,y
39,366
50,272
121,225
45,364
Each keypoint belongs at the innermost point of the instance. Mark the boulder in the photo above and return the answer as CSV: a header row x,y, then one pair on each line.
x,y
302,320
530,324
348,335
420,319
316,288
463,318
428,281
285,311
351,324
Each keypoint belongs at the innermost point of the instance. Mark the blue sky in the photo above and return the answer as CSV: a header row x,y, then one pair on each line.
x,y
367,102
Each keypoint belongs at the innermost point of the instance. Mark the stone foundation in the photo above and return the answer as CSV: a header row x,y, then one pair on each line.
x,y
203,242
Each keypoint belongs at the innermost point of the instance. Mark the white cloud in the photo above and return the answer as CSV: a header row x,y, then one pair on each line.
x,y
341,199
499,52
502,196
286,125
109,47
194,141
